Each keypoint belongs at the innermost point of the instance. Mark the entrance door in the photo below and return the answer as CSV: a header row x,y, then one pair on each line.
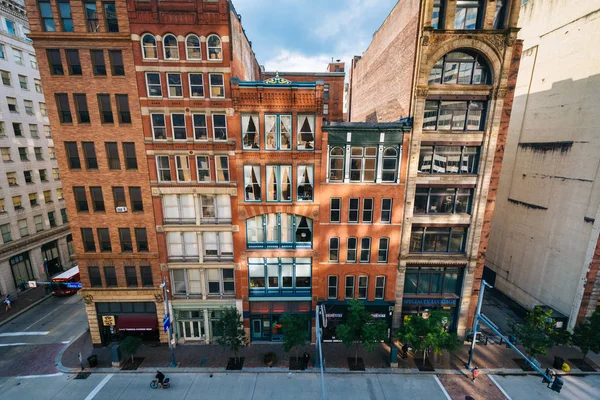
x,y
50,254
257,329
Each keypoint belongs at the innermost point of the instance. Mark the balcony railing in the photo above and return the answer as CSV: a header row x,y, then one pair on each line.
x,y
215,221
218,258
179,221
184,259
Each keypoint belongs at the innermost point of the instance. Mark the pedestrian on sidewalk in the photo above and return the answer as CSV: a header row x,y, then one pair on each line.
x,y
475,372
404,351
7,302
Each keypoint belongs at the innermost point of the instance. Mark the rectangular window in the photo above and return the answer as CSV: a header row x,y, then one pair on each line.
x,y
116,62
91,16
73,62
119,196
83,114
448,160
12,105
87,235
183,246
63,215
153,84
28,176
2,52
38,85
17,204
146,275
179,209
112,154
217,85
6,233
141,238
73,155
129,155
252,183
222,168
39,223
332,287
159,127
334,249
51,219
66,19
163,166
18,56
80,199
178,126
325,109
95,278
6,157
110,17
306,132
326,92
447,115
196,85
363,161
353,210
47,196
47,131
55,62
219,127
442,200
175,86
349,289
352,245
278,132
135,196
367,214
123,108
106,114
28,107
104,240
32,61
203,166
23,228
46,15
64,110
382,255
182,163
23,82
23,153
131,277
305,188
200,129
56,174
60,194
110,276
365,250
12,178
363,285
97,198
43,177
38,153
33,131
335,210
467,14
250,132
98,63
125,238
5,78
379,287
279,179
438,240
18,129
386,211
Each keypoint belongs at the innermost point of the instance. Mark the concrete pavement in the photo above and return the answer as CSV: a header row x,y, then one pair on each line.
x,y
530,387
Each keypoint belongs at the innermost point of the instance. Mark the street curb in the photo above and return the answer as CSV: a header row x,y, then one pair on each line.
x,y
58,360
7,320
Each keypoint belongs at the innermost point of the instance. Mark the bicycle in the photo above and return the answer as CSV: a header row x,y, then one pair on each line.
x,y
156,385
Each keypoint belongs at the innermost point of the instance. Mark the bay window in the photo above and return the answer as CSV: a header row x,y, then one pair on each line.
x,y
250,132
450,115
438,239
179,209
278,132
279,231
304,184
217,246
280,276
279,183
306,132
182,247
443,200
252,186
448,159
433,281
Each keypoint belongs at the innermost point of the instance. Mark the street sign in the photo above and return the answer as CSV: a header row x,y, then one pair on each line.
x,y
32,284
108,320
166,322
73,285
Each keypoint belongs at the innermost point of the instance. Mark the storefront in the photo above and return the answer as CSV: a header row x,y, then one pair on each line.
x,y
20,266
423,306
337,314
118,320
265,318
194,322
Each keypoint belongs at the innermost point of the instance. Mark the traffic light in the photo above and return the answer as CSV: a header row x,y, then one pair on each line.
x,y
548,374
557,384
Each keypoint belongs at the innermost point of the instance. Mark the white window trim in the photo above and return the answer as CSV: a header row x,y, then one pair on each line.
x,y
173,127
353,286
208,50
337,260
390,210
177,168
387,251
210,86
165,47
366,287
169,86
142,46
194,127
361,249
190,85
212,118
329,286
158,169
198,175
148,86
357,210
217,169
382,287
152,126
355,249
186,48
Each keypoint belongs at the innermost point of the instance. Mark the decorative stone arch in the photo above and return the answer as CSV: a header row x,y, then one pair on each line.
x,y
491,54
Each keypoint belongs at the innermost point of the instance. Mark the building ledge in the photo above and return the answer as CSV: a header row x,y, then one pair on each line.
x,y
38,238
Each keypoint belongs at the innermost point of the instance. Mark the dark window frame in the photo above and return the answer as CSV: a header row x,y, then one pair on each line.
x,y
435,108
64,108
104,240
80,197
130,156
425,194
95,276
136,199
87,237
123,111
105,108
97,198
110,276
55,62
131,280
141,239
468,160
117,66
420,235
81,107
112,155
73,62
125,240
98,62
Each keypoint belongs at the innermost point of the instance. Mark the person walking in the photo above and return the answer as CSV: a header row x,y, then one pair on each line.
x,y
7,302
475,372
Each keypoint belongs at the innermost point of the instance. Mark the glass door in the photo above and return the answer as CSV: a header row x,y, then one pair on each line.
x,y
257,329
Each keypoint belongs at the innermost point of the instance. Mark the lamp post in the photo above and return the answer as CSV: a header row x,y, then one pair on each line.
x,y
163,285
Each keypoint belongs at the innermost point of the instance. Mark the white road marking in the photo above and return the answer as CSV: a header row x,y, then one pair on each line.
x,y
94,392
442,387
39,376
46,316
5,334
13,344
499,387
66,342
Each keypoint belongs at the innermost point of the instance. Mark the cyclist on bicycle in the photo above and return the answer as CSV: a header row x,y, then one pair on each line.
x,y
160,377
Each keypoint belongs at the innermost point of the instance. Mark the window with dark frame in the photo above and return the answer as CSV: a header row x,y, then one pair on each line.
x,y
91,16
437,15
64,110
365,250
443,201
452,115
73,62
55,62
382,254
334,249
129,155
141,238
66,19
135,196
353,210
80,199
352,244
110,17
460,67
110,277
332,287
386,211
468,14
83,114
97,199
131,277
98,62
349,287
104,240
448,160
46,16
106,114
87,236
367,212
73,155
119,196
438,239
51,219
433,281
95,277
125,238
89,153
335,210
146,275
123,108
112,154
116,63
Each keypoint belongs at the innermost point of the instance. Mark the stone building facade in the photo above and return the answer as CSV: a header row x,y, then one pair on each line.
x,y
34,224
447,64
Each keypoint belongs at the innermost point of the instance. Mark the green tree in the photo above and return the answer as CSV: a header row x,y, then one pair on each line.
x,y
537,334
295,331
586,335
130,345
232,331
361,327
423,333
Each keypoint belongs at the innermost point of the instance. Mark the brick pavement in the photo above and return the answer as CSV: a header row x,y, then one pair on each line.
x,y
21,301
460,387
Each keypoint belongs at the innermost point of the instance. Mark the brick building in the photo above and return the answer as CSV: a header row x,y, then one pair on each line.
x,y
452,65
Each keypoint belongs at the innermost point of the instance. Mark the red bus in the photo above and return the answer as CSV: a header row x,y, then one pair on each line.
x,y
66,283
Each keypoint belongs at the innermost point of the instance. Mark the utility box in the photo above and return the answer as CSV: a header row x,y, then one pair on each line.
x,y
116,357
393,356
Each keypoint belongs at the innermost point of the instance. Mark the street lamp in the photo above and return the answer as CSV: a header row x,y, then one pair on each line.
x,y
167,321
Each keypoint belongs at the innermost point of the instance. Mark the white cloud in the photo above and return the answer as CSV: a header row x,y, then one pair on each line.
x,y
290,61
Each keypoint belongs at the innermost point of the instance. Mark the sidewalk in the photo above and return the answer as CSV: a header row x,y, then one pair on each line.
x,y
492,358
22,302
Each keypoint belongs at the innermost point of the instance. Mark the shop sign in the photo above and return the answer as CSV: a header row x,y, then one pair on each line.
x,y
429,302
108,320
334,315
376,315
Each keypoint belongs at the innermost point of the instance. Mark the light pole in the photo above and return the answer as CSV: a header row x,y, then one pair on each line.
x,y
476,320
163,285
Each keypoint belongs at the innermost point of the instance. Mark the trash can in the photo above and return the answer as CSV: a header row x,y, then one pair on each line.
x,y
93,361
558,362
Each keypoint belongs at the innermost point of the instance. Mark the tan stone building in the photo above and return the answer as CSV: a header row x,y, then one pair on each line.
x,y
451,65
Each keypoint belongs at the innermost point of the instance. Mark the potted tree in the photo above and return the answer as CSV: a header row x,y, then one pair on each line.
x,y
232,336
270,358
130,345
586,336
295,334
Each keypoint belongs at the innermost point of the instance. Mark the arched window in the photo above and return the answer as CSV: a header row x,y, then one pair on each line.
x,y
279,231
171,47
336,164
192,45
149,47
460,67
390,164
215,49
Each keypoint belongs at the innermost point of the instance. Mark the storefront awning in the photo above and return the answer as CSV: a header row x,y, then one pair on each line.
x,y
137,322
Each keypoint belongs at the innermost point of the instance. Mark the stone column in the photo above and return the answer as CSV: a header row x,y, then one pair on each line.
x,y
449,14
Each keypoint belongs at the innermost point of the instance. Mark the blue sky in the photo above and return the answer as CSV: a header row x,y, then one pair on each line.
x,y
303,35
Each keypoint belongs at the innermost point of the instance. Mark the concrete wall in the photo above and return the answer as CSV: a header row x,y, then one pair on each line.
x,y
545,226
